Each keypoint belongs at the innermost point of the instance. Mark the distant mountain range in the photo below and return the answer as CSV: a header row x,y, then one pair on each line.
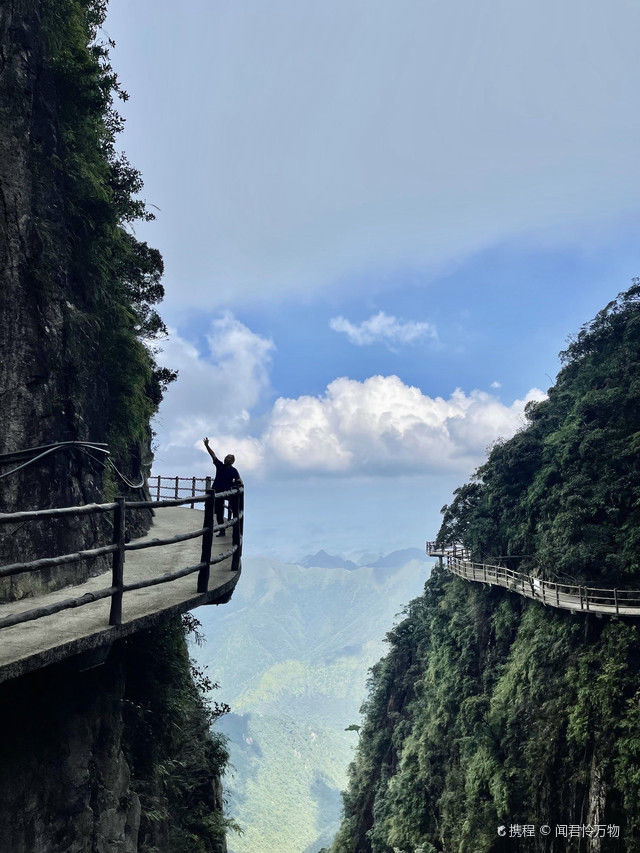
x,y
291,651
323,560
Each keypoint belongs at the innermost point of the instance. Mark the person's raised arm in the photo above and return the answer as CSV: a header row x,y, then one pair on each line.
x,y
210,451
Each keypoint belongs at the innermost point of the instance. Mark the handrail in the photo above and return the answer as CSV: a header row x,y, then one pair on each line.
x,y
567,596
153,504
49,562
50,609
27,452
118,547
154,543
32,515
161,486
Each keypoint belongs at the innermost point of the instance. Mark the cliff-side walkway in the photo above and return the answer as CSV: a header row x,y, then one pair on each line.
x,y
579,599
50,638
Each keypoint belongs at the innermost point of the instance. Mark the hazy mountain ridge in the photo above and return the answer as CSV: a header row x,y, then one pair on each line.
x,y
321,559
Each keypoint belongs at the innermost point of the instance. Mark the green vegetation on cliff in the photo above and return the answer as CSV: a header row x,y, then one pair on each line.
x,y
113,757
176,760
491,709
113,279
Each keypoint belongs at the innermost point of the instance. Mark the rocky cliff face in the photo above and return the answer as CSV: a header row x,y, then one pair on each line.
x,y
65,783
44,397
118,758
95,762
54,385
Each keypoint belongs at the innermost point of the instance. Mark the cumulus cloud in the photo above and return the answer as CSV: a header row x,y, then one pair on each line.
x,y
379,426
383,328
382,426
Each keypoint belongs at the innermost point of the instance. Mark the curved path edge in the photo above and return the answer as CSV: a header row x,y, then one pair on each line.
x,y
573,597
83,634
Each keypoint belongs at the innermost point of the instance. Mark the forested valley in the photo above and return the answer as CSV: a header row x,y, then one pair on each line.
x,y
491,710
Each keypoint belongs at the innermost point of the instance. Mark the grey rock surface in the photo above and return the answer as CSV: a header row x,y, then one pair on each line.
x,y
52,385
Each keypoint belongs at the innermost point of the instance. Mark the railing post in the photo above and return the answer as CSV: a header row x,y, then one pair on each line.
x,y
207,541
176,488
158,489
207,484
117,565
235,504
615,598
193,490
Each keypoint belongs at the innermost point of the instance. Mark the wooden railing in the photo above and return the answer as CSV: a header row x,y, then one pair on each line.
x,y
161,486
567,596
118,548
164,487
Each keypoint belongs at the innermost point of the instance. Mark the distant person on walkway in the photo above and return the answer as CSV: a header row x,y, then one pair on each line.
x,y
227,477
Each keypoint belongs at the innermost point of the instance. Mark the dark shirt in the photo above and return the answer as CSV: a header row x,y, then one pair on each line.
x,y
226,475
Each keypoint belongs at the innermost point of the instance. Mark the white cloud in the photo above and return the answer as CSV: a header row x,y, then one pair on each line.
x,y
379,426
495,384
382,426
383,328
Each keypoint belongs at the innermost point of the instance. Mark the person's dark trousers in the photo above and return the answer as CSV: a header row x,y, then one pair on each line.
x,y
220,514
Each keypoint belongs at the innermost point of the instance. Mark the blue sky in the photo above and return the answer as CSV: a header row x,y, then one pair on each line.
x,y
363,207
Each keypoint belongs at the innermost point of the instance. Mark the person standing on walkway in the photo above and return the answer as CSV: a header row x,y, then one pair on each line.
x,y
227,477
